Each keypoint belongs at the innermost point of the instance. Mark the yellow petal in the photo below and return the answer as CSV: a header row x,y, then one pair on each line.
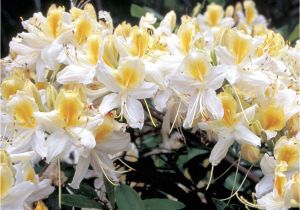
x,y
6,179
93,48
54,20
10,86
23,108
214,13
84,28
69,106
230,109
186,33
105,129
196,66
273,118
130,74
140,41
250,11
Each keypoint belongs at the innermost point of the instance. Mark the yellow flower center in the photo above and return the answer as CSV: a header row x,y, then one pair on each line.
x,y
54,20
140,41
273,118
93,47
70,107
104,130
239,45
130,75
214,14
10,86
196,66
287,150
230,108
250,11
186,33
110,54
84,28
23,110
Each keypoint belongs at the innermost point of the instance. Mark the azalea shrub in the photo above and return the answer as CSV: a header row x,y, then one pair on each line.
x,y
190,112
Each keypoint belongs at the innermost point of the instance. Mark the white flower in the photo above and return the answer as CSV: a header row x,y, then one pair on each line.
x,y
128,85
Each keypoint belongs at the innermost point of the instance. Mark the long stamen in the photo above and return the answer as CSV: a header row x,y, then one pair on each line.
x,y
246,175
177,112
102,169
131,169
223,173
240,103
247,203
150,116
59,185
210,177
235,177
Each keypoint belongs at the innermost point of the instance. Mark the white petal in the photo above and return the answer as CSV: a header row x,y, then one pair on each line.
x,y
76,74
134,113
224,56
80,172
192,110
57,143
118,141
243,135
146,90
17,195
39,143
161,98
268,164
109,102
264,186
105,75
42,190
215,78
220,150
213,104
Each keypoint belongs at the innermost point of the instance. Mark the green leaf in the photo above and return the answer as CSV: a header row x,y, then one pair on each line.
x,y
220,2
87,190
229,182
110,190
295,34
220,205
137,11
128,199
79,201
283,30
152,141
182,159
165,204
193,152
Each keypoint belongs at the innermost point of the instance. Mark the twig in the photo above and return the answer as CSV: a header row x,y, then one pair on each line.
x,y
243,170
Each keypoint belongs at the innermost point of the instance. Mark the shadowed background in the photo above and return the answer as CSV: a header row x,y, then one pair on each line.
x,y
283,15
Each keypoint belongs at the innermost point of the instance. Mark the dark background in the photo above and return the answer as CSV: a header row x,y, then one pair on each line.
x,y
282,14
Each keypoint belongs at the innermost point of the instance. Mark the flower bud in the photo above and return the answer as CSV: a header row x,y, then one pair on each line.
x,y
31,89
293,125
51,95
10,86
250,153
255,127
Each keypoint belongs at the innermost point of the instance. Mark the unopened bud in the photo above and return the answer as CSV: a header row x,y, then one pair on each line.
x,y
51,94
250,153
293,125
30,89
255,127
229,11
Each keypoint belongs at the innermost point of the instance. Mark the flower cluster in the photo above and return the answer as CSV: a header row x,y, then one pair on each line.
x,y
73,83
